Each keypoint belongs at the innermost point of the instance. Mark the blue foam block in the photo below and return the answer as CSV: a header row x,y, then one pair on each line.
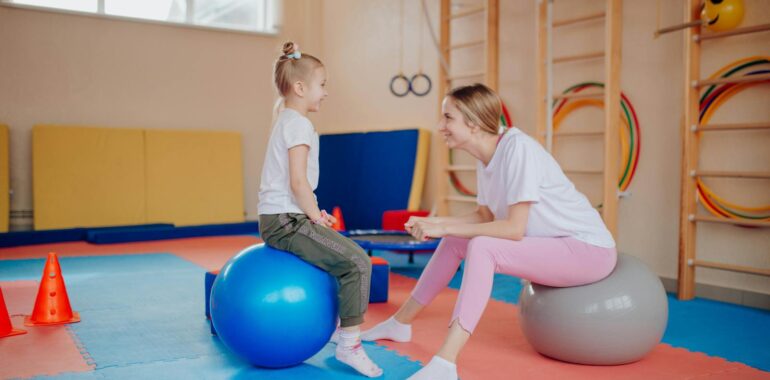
x,y
162,233
13,239
378,291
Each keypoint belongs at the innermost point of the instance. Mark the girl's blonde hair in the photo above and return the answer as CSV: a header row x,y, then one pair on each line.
x,y
289,68
479,105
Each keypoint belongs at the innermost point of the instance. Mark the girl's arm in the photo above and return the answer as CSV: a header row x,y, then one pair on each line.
x,y
303,193
512,228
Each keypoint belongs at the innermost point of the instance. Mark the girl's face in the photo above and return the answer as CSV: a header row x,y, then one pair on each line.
x,y
316,91
453,126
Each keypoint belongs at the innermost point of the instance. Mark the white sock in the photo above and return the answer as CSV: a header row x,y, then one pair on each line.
x,y
437,369
389,329
351,352
335,336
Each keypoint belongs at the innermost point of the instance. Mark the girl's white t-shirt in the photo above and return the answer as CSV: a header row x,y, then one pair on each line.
x,y
521,170
290,129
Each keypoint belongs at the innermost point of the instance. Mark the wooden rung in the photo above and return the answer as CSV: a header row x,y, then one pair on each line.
x,y
461,168
734,32
461,198
674,28
735,222
579,57
731,127
728,174
577,133
581,171
468,12
579,95
467,75
575,20
467,44
731,267
748,78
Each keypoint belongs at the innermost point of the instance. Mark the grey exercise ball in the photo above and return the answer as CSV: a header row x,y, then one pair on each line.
x,y
613,321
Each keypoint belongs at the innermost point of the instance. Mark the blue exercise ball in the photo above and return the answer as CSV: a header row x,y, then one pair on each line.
x,y
616,320
273,309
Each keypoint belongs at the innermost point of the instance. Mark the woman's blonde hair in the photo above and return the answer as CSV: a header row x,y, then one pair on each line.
x,y
293,66
479,105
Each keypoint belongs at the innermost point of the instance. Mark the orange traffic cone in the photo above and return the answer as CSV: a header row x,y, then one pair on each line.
x,y
339,225
6,329
52,306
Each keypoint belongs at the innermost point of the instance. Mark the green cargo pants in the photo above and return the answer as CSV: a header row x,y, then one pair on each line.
x,y
328,250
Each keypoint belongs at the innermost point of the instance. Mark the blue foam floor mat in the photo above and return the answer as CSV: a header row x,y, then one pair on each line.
x,y
142,317
732,332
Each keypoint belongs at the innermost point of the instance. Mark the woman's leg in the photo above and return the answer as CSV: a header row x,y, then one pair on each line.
x,y
436,276
548,261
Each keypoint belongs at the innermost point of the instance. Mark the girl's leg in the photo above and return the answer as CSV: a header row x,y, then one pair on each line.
x,y
343,259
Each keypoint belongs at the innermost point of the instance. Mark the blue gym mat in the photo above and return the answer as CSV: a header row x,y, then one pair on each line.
x,y
142,317
736,333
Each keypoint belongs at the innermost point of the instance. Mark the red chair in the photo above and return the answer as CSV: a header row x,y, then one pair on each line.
x,y
394,220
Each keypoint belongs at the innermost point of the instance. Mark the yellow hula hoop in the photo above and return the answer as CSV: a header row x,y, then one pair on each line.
x,y
624,138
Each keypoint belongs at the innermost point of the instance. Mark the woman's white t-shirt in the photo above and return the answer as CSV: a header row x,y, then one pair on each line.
x,y
522,171
290,129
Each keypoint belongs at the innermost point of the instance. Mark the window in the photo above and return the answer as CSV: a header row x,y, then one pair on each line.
x,y
245,15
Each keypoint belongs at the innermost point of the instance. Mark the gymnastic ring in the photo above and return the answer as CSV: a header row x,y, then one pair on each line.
x,y
418,76
408,85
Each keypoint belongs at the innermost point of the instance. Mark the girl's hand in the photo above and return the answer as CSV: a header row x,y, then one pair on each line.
x,y
325,219
328,219
423,230
412,220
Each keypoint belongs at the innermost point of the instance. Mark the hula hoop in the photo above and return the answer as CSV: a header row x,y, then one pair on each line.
x,y
630,141
713,98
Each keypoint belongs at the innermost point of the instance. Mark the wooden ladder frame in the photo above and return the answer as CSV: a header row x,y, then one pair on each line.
x,y
689,217
612,60
490,75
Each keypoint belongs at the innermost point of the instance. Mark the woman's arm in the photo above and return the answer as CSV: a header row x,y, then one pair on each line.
x,y
512,228
303,193
482,214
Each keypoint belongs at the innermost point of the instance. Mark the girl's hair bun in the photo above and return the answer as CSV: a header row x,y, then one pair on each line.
x,y
288,48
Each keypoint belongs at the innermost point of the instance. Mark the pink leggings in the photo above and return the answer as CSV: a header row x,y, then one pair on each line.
x,y
559,262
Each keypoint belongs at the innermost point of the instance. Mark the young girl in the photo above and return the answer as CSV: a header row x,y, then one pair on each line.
x,y
530,222
289,218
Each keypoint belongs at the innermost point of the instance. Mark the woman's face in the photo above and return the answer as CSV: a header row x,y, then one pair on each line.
x,y
453,126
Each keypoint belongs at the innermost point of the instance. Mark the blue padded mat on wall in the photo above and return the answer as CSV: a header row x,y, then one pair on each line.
x,y
366,174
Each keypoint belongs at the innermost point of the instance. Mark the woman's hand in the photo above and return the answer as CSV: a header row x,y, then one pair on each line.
x,y
412,220
424,230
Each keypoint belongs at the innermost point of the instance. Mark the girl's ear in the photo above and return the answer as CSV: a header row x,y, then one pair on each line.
x,y
299,88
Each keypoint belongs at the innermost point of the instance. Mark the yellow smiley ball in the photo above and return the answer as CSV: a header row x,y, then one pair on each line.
x,y
721,15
